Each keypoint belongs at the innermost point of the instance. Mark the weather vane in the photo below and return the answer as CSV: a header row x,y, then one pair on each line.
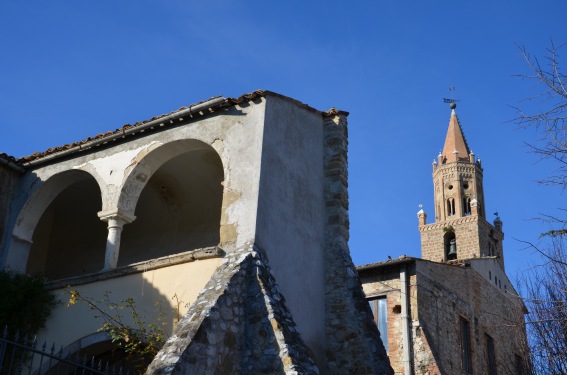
x,y
452,89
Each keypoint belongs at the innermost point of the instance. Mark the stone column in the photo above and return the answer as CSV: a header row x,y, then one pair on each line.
x,y
116,220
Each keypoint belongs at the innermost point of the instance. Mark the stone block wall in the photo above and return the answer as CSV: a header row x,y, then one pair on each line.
x,y
353,344
238,325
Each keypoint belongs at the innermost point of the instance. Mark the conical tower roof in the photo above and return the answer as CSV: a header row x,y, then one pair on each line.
x,y
456,148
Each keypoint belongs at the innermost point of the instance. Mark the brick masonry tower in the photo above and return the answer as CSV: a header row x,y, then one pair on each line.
x,y
460,230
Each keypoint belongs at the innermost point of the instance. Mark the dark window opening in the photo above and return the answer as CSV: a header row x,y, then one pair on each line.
x,y
520,365
466,206
491,355
466,358
450,207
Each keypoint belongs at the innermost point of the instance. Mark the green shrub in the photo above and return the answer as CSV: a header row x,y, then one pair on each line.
x,y
25,304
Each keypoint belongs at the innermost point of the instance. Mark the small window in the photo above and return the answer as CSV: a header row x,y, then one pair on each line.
x,y
490,275
466,358
450,207
379,309
466,206
520,365
491,355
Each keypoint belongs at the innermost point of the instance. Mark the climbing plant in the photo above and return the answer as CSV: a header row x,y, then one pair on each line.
x,y
139,339
25,303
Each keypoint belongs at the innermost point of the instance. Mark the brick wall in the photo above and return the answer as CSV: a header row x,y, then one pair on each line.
x,y
447,293
440,295
472,233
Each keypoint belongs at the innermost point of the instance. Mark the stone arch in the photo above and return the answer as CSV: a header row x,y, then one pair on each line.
x,y
58,233
175,191
96,349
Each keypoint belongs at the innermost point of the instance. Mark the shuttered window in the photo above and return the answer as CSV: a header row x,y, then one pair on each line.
x,y
380,312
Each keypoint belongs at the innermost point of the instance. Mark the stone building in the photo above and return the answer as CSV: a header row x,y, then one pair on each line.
x,y
238,208
454,311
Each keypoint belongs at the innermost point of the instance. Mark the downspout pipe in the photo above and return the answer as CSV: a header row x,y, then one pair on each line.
x,y
140,128
406,332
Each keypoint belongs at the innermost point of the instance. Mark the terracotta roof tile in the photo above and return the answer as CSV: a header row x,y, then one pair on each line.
x,y
128,127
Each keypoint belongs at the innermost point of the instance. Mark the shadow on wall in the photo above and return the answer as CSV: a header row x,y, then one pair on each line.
x,y
79,325
69,238
177,210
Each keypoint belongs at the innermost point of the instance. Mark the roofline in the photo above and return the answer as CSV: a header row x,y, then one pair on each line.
x,y
204,108
11,162
407,259
390,262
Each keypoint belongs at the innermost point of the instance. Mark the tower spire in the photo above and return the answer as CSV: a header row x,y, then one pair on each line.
x,y
460,230
456,147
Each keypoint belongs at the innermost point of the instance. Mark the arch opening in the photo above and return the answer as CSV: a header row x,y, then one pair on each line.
x,y
178,209
69,239
466,206
450,245
450,207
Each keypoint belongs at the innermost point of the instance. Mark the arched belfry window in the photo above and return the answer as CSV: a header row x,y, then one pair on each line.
x,y
450,207
466,206
179,208
69,238
450,245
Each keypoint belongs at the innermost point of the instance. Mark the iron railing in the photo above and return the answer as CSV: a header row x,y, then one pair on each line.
x,y
20,355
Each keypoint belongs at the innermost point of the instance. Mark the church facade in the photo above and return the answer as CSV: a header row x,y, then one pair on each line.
x,y
208,205
454,310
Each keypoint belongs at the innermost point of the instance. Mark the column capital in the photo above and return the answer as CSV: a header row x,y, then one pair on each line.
x,y
116,214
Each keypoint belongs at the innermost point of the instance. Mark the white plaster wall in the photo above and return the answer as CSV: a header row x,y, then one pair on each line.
x,y
236,134
273,157
291,214
68,324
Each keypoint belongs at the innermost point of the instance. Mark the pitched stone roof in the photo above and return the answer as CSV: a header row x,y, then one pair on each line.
x,y
455,148
239,324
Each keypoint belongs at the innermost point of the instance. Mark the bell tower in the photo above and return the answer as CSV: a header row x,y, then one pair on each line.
x,y
460,230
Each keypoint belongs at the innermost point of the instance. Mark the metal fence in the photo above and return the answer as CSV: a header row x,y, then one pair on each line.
x,y
21,355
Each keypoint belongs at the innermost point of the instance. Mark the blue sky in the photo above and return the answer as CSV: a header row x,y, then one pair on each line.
x,y
69,70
